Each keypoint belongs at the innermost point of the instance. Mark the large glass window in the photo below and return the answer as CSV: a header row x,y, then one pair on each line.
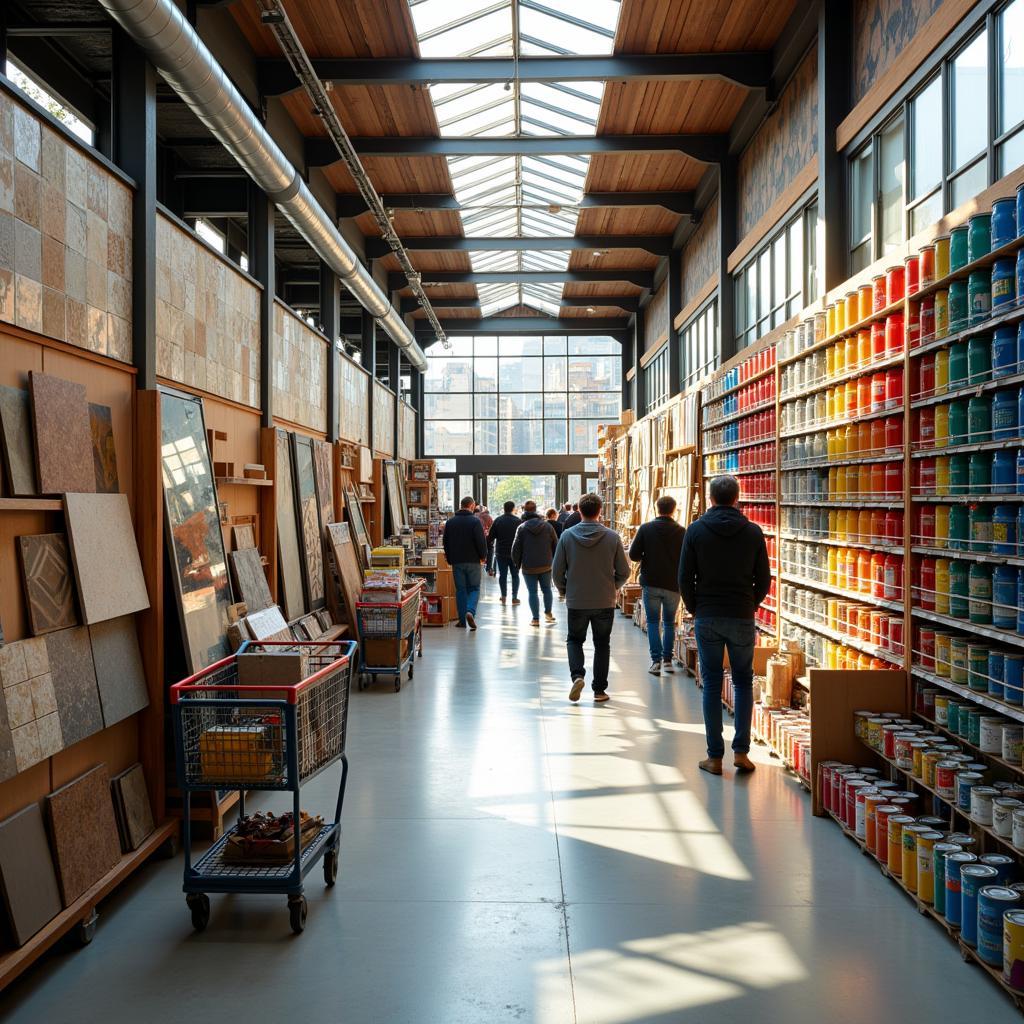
x,y
890,187
520,395
862,208
699,342
656,386
968,120
1011,87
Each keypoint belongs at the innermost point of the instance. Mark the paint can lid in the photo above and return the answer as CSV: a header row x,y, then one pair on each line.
x,y
980,871
962,857
1001,893
996,858
947,848
1014,916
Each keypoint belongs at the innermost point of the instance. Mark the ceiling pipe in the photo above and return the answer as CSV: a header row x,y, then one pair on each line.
x,y
176,51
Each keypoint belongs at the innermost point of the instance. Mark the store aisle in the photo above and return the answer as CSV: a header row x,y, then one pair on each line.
x,y
509,857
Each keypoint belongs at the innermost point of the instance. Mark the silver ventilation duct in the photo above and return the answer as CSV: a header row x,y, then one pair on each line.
x,y
185,63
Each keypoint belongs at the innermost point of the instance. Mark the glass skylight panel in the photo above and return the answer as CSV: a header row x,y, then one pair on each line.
x,y
496,297
500,223
536,223
567,26
502,259
559,109
539,301
545,260
474,110
463,28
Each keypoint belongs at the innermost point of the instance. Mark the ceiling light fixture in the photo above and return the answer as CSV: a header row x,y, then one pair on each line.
x,y
590,309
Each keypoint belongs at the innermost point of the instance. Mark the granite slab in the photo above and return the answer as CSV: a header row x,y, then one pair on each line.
x,y
16,439
74,683
60,416
120,677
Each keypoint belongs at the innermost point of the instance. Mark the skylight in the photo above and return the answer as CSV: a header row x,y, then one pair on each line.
x,y
535,196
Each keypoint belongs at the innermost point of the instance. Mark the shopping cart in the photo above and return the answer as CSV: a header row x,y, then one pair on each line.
x,y
277,738
383,623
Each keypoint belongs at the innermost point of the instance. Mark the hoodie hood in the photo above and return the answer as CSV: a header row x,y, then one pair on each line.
x,y
724,520
588,534
533,522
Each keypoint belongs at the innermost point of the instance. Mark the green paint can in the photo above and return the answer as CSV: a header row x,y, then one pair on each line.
x,y
979,236
959,474
979,419
979,359
958,367
979,474
959,527
958,423
977,671
980,587
980,525
958,305
974,721
979,296
958,248
958,607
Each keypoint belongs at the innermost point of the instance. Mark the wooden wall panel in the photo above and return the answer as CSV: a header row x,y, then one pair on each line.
x,y
687,26
700,254
782,147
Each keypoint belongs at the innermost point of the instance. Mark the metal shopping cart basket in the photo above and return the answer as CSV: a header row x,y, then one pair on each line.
x,y
382,624
275,738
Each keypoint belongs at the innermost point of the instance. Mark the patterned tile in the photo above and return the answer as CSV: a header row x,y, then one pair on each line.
x,y
30,716
881,30
700,255
46,575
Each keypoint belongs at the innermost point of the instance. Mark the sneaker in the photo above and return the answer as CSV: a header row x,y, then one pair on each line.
x,y
548,617
655,668
667,666
534,622
711,765
577,689
470,621
502,600
743,763
601,698
515,601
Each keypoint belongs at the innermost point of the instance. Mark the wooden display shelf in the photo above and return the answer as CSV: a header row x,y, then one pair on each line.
x,y
996,759
243,481
824,383
1014,711
80,913
1005,317
31,505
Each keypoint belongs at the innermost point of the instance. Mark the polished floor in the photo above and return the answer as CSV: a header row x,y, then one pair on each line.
x,y
509,857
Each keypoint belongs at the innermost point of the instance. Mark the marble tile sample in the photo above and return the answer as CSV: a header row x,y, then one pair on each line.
x,y
120,678
46,576
74,684
16,437
60,415
108,571
84,832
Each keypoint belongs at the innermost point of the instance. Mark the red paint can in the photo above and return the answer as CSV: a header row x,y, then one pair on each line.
x,y
926,271
926,649
893,479
925,533
914,328
893,389
893,433
878,292
878,339
926,319
894,285
893,527
925,476
911,274
878,390
894,336
925,585
925,427
896,631
927,378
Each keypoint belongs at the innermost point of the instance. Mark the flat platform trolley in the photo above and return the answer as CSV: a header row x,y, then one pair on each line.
x,y
272,738
394,621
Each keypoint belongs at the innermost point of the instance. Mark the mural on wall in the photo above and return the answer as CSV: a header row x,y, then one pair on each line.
x,y
782,147
65,238
300,371
881,30
656,317
207,318
700,254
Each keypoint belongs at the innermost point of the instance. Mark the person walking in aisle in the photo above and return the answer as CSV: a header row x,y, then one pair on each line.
x,y
465,548
564,513
499,550
589,569
531,552
573,518
657,547
724,575
552,517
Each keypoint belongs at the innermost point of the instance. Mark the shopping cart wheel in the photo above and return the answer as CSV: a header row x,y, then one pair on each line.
x,y
297,908
199,904
410,669
331,867
364,680
86,930
398,682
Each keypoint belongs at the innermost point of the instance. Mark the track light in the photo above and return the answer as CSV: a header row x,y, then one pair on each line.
x,y
274,17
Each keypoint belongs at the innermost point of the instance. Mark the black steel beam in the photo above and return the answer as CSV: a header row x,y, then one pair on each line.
x,y
728,239
535,325
411,304
751,69
213,197
707,148
330,321
658,245
261,266
676,202
300,293
636,340
641,278
674,307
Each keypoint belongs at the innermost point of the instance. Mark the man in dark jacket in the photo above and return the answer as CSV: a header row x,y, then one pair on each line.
x,y
657,546
465,548
564,514
532,551
589,569
724,575
573,518
499,545
552,517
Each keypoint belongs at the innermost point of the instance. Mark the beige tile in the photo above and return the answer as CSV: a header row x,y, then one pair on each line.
x,y
96,330
96,196
28,303
76,179
75,227
75,323
44,702
52,216
37,661
26,138
6,183
7,296
26,194
52,263
96,239
96,284
52,162
12,664
18,699
54,323
51,739
26,746
74,275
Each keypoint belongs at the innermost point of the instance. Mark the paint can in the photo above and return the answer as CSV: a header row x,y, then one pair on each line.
x,y
924,855
959,305
1017,828
1003,285
878,292
942,243
894,285
980,586
977,668
981,804
941,709
995,675
973,878
955,863
908,866
882,814
1004,221
1004,592
963,840
958,667
939,853
1004,471
1005,865
979,236
991,734
1002,815
894,334
979,526
864,301
1004,351
979,297
1013,677
993,902
1005,405
979,360
928,762
1012,748
896,824
941,371
941,313
979,473
958,258
1013,946
965,782
958,364
945,778
943,654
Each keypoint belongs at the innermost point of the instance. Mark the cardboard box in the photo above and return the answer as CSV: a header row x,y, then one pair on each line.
x,y
285,667
381,653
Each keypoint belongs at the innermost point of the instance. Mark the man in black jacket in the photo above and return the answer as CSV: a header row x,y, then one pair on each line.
x,y
572,519
499,544
465,548
724,575
532,552
563,514
657,546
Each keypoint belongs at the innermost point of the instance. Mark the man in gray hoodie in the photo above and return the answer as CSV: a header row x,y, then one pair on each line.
x,y
589,568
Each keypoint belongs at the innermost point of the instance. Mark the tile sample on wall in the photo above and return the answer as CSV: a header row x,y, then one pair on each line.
x,y
60,416
46,576
120,678
108,571
350,576
268,624
104,452
131,800
361,536
16,436
250,579
30,710
29,883
74,684
308,512
243,536
84,832
12,661
292,599
194,538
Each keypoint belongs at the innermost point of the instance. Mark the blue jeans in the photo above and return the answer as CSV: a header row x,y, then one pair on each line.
x,y
660,606
543,580
506,566
714,636
600,621
466,576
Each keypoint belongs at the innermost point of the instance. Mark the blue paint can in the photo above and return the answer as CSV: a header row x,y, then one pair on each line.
x,y
995,675
955,863
1004,597
1004,351
1004,864
1004,530
939,853
1003,289
1020,271
1013,677
1020,210
1020,470
1004,222
973,878
1005,414
993,902
1020,335
1004,472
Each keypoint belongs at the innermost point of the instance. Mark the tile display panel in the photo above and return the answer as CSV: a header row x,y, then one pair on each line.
x,y
300,371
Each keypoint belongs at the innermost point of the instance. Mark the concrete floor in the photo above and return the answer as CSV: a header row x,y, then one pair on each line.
x,y
509,857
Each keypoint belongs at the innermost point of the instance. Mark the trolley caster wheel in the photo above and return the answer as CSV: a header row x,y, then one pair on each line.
x,y
411,668
85,931
364,682
398,683
199,904
330,868
297,908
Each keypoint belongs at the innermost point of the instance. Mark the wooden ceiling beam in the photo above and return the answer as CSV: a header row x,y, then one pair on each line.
x,y
658,245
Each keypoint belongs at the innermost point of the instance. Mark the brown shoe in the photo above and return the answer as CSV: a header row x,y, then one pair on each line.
x,y
743,763
711,765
